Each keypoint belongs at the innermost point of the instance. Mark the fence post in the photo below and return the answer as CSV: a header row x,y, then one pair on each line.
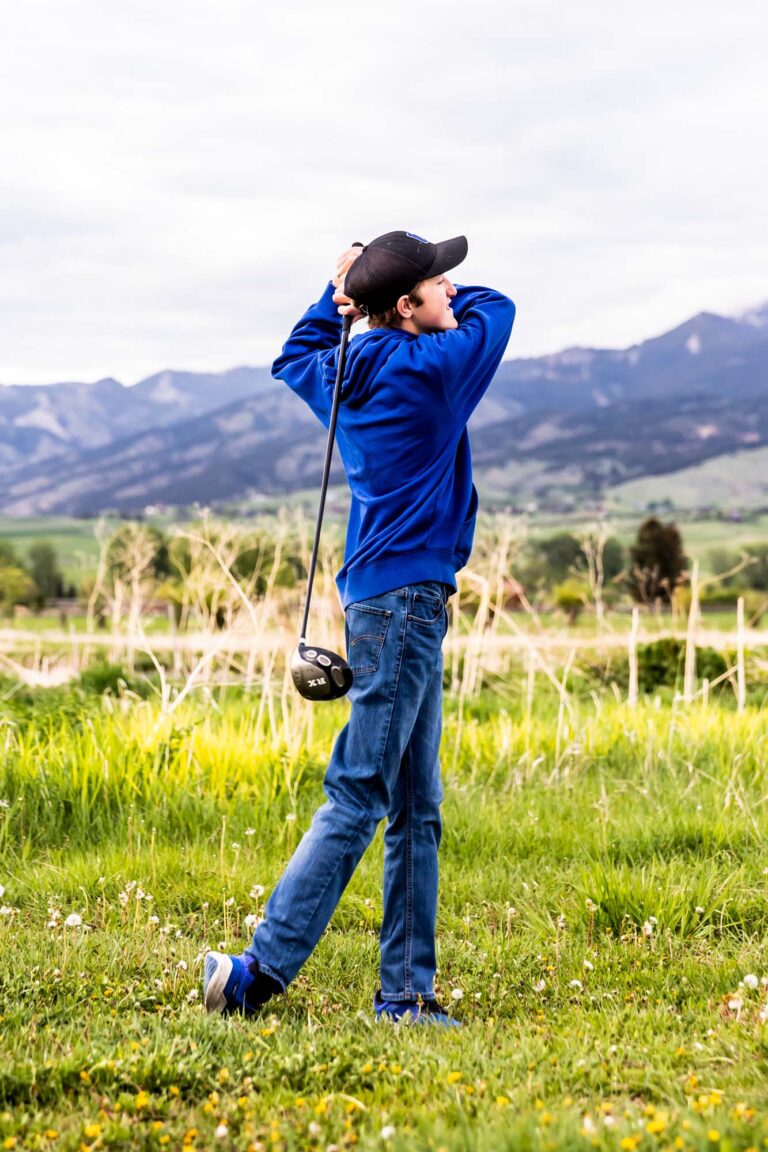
x,y
741,680
632,692
689,676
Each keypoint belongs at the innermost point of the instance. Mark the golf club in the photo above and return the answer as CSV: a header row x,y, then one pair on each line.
x,y
318,673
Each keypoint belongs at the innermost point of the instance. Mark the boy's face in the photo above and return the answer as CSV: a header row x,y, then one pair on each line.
x,y
434,313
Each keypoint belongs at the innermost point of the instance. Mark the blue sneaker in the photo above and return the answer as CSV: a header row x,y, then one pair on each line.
x,y
232,984
413,1012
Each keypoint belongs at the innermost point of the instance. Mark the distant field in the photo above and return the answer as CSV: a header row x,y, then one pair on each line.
x,y
739,480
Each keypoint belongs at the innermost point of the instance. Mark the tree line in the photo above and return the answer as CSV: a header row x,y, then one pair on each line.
x,y
196,570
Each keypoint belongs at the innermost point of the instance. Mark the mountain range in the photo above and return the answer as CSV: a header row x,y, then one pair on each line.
x,y
558,429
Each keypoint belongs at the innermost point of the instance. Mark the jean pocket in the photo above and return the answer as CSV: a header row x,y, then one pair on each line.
x,y
367,630
427,606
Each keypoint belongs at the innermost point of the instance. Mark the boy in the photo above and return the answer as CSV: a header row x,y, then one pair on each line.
x,y
411,383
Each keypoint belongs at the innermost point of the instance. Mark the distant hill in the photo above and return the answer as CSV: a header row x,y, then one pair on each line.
x,y
556,429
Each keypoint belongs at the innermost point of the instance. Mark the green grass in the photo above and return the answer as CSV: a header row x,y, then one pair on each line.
x,y
604,892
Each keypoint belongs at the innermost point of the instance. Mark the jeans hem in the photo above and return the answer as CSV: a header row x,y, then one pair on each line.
x,y
401,997
268,970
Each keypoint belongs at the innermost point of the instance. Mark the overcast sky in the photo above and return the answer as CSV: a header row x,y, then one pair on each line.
x,y
176,178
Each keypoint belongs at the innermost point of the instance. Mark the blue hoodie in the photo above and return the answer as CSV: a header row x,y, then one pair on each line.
x,y
402,434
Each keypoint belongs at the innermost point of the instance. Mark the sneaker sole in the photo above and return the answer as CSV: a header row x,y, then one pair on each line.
x,y
214,998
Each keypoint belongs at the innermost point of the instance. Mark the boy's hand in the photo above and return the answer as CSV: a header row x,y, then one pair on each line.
x,y
343,265
346,307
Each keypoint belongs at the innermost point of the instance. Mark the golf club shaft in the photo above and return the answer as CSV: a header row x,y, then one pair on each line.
x,y
345,328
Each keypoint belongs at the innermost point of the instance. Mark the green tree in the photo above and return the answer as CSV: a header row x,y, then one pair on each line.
x,y
16,587
571,597
8,557
43,567
657,561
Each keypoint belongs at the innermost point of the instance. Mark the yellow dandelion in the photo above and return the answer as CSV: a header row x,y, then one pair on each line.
x,y
10,1142
656,1127
142,1100
174,1090
321,1107
300,1102
91,1131
267,1031
502,1101
366,1068
713,1135
51,1134
395,1069
85,1076
164,1139
629,1143
454,1077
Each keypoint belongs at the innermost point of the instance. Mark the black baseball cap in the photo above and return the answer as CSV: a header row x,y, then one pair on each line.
x,y
393,264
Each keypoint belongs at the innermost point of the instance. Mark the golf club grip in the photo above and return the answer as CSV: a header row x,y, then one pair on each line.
x,y
345,329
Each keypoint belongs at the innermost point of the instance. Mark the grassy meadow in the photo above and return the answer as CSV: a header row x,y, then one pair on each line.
x,y
603,927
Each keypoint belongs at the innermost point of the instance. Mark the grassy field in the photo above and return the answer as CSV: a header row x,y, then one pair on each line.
x,y
603,930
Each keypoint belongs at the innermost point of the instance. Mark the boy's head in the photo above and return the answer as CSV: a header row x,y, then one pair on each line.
x,y
399,279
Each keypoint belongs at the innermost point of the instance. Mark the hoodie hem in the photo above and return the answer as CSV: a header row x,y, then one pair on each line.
x,y
395,572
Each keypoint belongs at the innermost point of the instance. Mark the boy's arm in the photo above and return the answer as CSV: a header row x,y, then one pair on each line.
x,y
312,344
468,356
306,352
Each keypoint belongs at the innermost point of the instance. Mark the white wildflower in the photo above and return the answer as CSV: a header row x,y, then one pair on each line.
x,y
647,928
230,903
457,994
251,920
74,920
250,831
751,981
609,1121
192,995
235,846
5,803
2,891
182,965
257,892
5,910
313,1128
699,910
763,1014
291,816
388,1131
540,985
153,920
577,984
221,1132
736,1004
588,966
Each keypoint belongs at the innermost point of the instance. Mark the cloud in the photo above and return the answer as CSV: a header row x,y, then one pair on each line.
x,y
178,178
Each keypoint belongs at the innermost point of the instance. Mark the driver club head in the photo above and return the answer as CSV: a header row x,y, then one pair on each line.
x,y
319,674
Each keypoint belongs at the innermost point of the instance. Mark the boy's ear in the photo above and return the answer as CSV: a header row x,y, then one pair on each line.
x,y
404,307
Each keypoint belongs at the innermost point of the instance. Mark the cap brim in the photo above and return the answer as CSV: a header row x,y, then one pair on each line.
x,y
450,253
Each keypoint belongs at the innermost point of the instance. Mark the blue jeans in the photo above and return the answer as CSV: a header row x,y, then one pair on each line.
x,y
385,763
